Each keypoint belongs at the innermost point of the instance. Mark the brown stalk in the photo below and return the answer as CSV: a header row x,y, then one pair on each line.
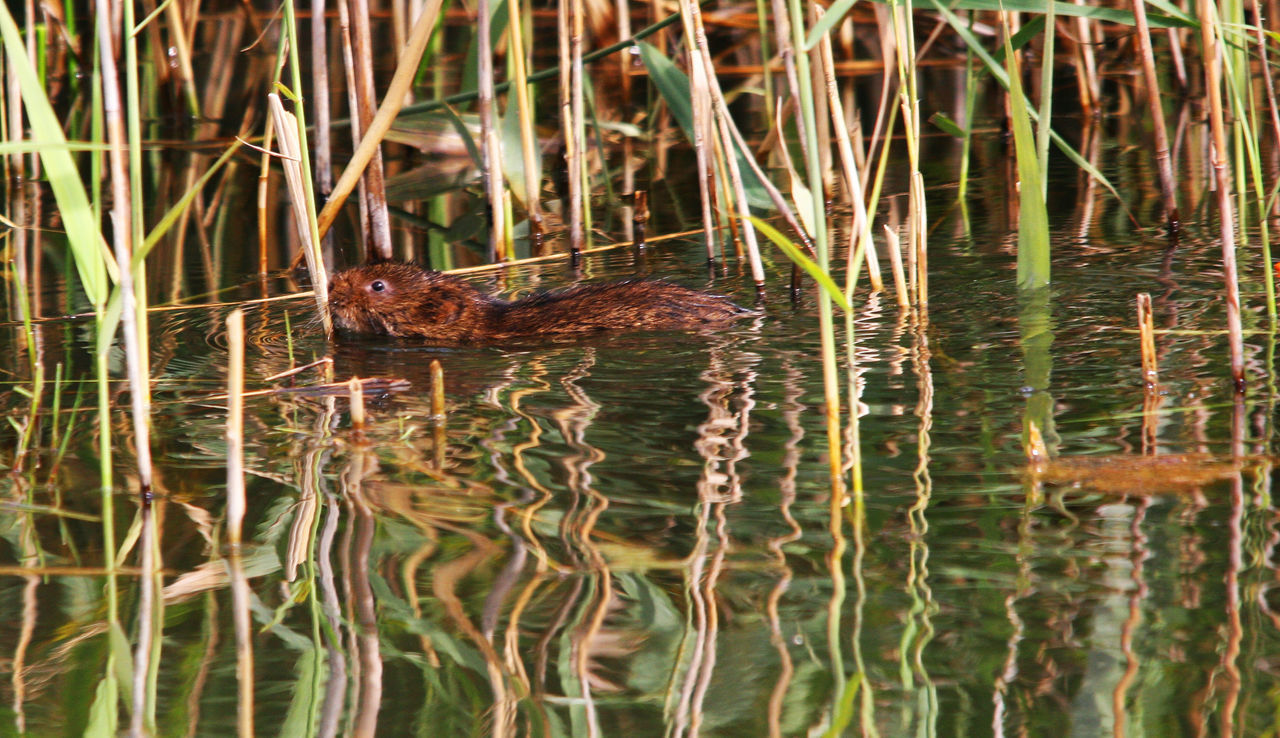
x,y
240,603
919,228
286,126
366,103
320,105
490,144
821,112
623,13
356,392
406,69
782,27
353,104
1268,83
1175,55
1218,158
639,217
895,261
1090,92
529,150
727,139
139,382
182,52
438,417
571,106
1147,336
888,90
235,426
861,230
1164,164
265,181
702,134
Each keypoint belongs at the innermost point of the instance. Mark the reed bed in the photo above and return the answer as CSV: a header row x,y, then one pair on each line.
x,y
121,118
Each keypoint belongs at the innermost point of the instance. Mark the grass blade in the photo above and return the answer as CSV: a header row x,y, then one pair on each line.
x,y
86,242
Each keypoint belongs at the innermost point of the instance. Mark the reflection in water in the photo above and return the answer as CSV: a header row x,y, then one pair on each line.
x,y
637,535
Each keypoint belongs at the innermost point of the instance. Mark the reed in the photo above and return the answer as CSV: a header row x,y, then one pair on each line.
x,y
1033,223
236,502
529,151
490,140
1164,163
1147,341
741,194
1218,155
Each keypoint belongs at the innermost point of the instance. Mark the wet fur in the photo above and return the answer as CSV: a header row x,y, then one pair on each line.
x,y
419,303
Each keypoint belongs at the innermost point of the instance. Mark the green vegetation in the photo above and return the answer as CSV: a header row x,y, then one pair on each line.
x,y
471,141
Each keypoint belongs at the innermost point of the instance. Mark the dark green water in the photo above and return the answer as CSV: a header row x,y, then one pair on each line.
x,y
633,535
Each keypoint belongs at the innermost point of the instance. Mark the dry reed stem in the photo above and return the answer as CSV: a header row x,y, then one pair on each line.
x,y
622,11
291,150
143,714
1147,336
122,223
573,108
1218,155
702,130
265,180
437,389
1164,163
235,426
490,143
1090,87
366,103
240,603
861,230
1268,84
779,202
895,261
782,26
320,113
920,226
440,436
401,82
529,150
639,217
181,49
726,140
356,391
357,121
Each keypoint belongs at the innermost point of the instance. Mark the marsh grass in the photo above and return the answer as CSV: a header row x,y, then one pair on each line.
x,y
752,142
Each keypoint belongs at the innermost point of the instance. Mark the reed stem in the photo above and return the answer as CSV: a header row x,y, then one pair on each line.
x,y
1218,156
490,144
1164,162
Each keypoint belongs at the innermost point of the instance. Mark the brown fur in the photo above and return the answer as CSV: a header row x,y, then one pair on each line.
x,y
418,303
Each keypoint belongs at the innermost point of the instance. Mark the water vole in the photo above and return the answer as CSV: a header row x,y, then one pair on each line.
x,y
404,300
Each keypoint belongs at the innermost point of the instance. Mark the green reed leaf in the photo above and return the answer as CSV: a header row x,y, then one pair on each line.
x,y
1169,16
829,19
672,84
87,246
946,124
1033,221
811,267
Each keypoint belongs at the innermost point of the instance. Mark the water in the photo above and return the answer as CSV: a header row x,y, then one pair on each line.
x,y
636,534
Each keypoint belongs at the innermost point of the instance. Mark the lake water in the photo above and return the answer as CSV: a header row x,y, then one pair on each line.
x,y
636,534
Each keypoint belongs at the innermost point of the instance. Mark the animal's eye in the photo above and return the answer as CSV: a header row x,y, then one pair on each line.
x,y
378,285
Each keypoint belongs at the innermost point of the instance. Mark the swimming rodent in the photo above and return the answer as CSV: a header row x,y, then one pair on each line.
x,y
405,300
